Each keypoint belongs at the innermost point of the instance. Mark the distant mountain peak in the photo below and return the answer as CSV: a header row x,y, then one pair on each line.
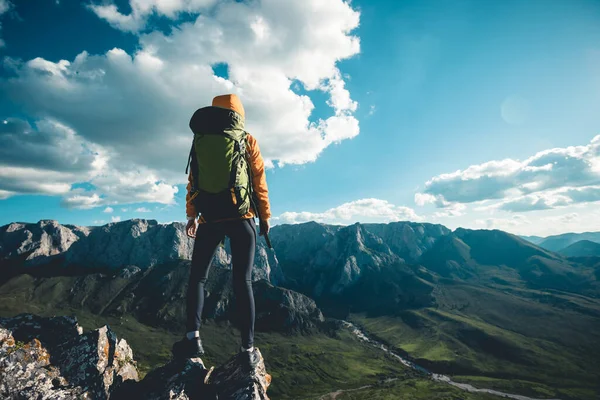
x,y
560,242
582,248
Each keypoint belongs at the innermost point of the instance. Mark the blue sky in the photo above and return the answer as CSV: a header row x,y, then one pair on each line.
x,y
466,113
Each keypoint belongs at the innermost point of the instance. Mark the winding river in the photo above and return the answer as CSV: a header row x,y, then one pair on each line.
x,y
436,377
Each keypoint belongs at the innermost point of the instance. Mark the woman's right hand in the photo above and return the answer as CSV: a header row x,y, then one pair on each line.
x,y
191,228
264,227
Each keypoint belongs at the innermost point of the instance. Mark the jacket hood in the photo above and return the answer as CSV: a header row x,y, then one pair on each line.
x,y
230,101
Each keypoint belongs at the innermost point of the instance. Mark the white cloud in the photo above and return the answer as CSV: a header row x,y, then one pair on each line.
x,y
549,179
134,186
532,202
146,98
142,9
115,219
108,210
340,99
506,224
577,217
80,200
5,5
142,210
422,199
451,210
365,210
583,195
563,219
46,159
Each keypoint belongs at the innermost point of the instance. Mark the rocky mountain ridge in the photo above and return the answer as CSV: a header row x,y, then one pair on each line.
x,y
139,242
340,253
315,259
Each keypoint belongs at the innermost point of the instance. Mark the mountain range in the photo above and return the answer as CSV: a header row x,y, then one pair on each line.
x,y
560,243
484,306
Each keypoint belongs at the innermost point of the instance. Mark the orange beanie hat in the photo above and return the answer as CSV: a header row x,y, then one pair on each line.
x,y
230,101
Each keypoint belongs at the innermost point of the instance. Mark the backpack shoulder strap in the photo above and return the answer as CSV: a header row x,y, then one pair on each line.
x,y
193,164
250,176
187,166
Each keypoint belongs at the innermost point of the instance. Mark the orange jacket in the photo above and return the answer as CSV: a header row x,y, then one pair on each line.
x,y
257,165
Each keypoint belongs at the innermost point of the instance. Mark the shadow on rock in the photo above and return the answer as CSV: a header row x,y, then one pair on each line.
x,y
190,379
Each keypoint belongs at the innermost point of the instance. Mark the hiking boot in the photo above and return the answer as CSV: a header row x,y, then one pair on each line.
x,y
249,359
188,348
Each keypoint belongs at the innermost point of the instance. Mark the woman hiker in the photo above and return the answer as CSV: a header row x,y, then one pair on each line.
x,y
227,189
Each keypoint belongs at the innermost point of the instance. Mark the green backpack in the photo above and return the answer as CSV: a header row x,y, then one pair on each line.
x,y
221,184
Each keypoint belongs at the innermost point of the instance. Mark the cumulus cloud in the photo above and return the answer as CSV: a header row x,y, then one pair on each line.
x,y
142,9
52,146
534,202
50,157
563,219
142,210
549,179
5,5
108,210
115,219
451,210
78,199
136,107
422,199
46,159
584,195
364,210
507,224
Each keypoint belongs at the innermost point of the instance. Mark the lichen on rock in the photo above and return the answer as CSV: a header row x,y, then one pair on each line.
x,y
49,358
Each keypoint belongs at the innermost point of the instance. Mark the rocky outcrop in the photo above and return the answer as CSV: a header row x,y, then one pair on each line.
x,y
233,381
281,309
97,361
190,379
57,361
26,373
50,358
50,331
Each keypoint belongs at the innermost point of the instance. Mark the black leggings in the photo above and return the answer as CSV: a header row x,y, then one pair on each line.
x,y
242,236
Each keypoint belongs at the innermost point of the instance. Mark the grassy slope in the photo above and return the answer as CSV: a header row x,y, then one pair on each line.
x,y
303,367
548,340
582,248
412,389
